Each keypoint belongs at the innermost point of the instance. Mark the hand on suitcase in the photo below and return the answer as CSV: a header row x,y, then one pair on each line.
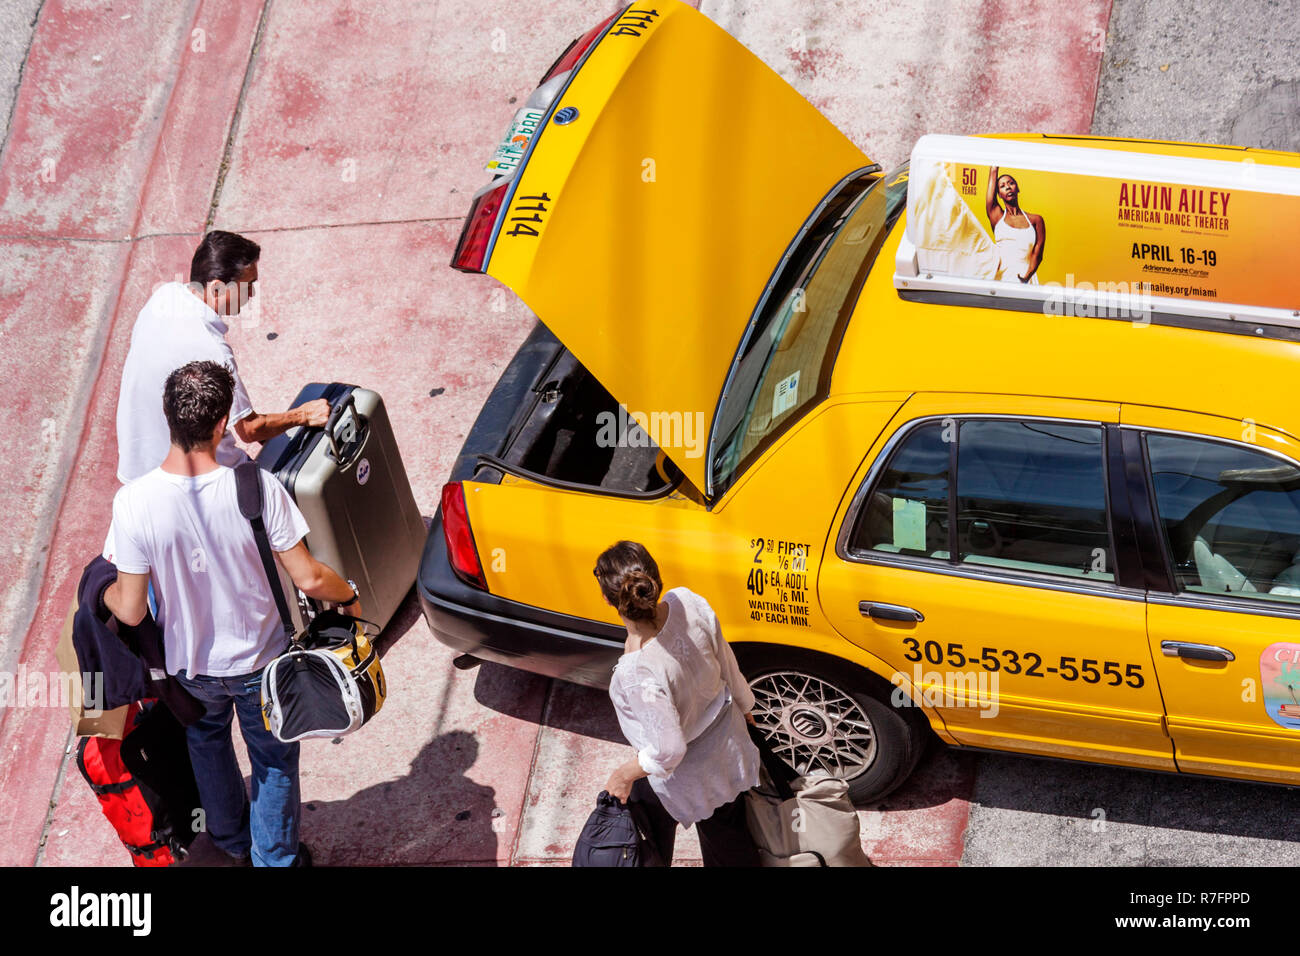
x,y
315,413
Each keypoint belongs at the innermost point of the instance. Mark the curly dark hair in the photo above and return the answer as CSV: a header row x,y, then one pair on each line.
x,y
196,397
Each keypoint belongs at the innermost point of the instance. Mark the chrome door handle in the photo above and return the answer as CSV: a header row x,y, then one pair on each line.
x,y
1196,652
889,612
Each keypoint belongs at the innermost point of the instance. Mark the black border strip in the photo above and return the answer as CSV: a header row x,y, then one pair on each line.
x,y
509,469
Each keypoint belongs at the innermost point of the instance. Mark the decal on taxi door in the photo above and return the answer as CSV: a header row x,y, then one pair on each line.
x,y
1279,672
777,582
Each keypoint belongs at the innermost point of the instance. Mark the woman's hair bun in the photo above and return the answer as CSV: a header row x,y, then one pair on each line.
x,y
629,579
638,596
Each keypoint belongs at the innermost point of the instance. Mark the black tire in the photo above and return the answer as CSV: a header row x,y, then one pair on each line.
x,y
779,675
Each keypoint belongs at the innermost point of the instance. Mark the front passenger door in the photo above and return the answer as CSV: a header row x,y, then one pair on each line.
x,y
1225,633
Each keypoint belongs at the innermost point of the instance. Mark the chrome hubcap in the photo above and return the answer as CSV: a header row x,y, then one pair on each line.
x,y
808,724
813,725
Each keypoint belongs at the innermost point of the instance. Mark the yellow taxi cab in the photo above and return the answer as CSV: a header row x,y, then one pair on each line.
x,y
999,448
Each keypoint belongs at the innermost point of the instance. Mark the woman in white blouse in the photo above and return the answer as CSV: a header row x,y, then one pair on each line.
x,y
682,703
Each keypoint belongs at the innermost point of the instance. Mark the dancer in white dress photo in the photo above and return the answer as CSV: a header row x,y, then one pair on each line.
x,y
1020,235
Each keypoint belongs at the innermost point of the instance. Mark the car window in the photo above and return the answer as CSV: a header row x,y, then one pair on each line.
x,y
785,363
1029,497
1231,517
907,511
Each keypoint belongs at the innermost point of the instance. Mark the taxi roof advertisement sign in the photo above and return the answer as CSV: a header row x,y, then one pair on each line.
x,y
1065,225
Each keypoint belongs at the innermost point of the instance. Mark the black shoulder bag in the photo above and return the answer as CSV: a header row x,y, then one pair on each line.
x,y
330,681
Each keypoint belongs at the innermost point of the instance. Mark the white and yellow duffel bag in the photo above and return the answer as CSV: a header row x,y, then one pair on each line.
x,y
330,681
328,684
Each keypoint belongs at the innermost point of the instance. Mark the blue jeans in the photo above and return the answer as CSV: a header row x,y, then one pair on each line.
x,y
270,831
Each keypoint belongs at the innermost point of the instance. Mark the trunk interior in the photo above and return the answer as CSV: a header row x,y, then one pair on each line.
x,y
564,433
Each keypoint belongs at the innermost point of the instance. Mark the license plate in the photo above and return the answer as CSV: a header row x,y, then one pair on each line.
x,y
520,133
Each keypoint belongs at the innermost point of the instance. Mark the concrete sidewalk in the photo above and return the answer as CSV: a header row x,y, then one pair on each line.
x,y
347,138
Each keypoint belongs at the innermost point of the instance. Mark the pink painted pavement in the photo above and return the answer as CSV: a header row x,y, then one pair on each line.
x,y
358,140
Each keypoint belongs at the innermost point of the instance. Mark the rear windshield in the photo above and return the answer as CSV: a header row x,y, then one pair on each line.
x,y
785,361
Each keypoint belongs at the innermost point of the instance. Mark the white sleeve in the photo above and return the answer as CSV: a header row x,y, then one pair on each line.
x,y
122,546
740,692
240,406
663,745
285,525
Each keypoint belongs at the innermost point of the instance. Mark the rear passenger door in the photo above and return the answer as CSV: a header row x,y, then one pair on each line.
x,y
976,555
1224,621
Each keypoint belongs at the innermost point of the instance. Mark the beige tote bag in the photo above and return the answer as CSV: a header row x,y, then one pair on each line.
x,y
802,821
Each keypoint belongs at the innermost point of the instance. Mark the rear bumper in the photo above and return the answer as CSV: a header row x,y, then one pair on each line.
x,y
493,628
484,625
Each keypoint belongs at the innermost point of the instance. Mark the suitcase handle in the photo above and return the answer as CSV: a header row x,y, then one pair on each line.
x,y
336,415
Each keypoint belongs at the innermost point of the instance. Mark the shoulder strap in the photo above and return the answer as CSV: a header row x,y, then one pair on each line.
x,y
248,485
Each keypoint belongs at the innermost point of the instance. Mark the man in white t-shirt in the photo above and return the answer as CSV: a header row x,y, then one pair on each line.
x,y
179,528
185,323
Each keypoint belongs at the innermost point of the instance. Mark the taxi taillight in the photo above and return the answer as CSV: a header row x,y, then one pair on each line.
x,y
460,540
570,57
476,234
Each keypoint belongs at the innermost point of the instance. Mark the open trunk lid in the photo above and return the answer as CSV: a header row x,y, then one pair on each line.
x,y
652,206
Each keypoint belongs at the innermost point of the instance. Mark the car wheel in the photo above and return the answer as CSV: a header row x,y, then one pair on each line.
x,y
820,714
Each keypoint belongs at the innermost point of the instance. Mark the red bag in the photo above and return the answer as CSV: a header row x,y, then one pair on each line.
x,y
145,784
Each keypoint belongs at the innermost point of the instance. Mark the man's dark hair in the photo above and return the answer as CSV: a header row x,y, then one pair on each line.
x,y
195,398
222,256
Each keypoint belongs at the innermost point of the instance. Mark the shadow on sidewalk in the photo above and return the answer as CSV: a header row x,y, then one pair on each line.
x,y
942,775
404,619
569,707
1090,795
435,814
407,615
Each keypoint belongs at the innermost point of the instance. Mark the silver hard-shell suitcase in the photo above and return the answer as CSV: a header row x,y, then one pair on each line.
x,y
348,480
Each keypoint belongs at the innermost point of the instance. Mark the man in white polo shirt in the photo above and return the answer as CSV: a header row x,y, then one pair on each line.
x,y
179,528
184,323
